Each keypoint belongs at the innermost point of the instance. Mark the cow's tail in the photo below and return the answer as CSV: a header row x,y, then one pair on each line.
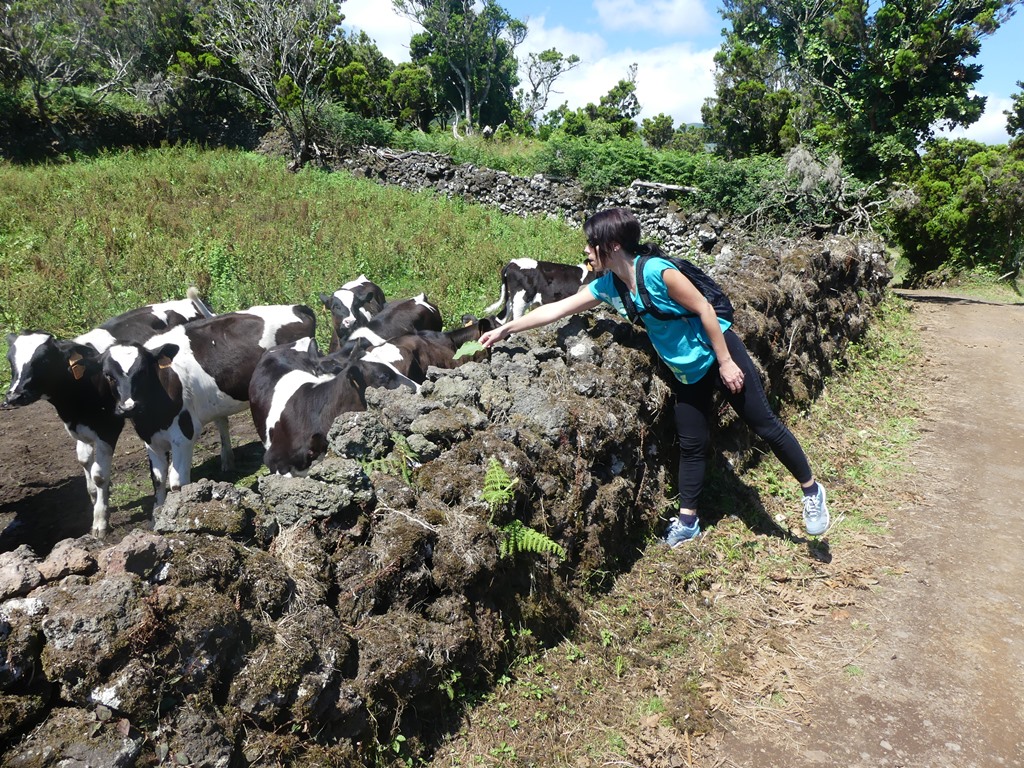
x,y
496,305
193,294
502,298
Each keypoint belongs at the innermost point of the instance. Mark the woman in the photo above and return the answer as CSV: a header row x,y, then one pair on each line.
x,y
700,350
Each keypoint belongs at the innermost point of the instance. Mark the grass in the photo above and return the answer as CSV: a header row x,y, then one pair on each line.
x,y
981,285
82,242
706,632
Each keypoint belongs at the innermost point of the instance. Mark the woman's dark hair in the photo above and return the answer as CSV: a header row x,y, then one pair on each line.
x,y
617,225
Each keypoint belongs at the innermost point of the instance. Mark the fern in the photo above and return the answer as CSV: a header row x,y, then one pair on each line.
x,y
523,538
399,463
499,488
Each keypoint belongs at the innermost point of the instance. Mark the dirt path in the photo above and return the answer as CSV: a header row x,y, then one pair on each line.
x,y
928,671
43,498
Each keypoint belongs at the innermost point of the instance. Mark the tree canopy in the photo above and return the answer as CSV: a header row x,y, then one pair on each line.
x,y
470,52
869,80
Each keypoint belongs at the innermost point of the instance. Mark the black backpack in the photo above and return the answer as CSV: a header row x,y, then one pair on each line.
x,y
711,290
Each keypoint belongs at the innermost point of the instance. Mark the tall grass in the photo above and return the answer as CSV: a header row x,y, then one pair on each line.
x,y
84,241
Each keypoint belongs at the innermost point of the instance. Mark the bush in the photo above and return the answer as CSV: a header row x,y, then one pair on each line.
x,y
342,128
962,210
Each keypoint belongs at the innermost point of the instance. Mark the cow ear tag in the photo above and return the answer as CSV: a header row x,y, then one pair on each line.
x,y
590,267
164,362
76,370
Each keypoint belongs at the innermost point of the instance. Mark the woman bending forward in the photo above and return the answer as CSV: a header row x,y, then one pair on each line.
x,y
700,350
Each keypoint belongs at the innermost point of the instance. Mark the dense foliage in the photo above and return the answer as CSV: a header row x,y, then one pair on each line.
x,y
964,210
869,81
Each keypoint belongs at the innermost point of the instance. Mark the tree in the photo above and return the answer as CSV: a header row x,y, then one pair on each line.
x,y
1015,115
875,77
657,131
470,52
620,105
542,70
755,107
411,97
964,209
690,138
284,52
362,76
54,44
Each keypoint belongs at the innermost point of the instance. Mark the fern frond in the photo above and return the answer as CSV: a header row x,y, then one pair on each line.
x,y
523,538
499,488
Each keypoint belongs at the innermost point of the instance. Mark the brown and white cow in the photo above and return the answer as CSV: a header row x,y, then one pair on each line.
x,y
528,283
179,381
396,319
68,374
295,396
413,353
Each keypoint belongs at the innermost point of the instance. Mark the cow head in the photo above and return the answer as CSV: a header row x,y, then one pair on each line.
x,y
294,446
354,303
134,373
40,364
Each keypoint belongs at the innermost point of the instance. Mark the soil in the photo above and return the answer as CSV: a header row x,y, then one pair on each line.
x,y
43,498
925,668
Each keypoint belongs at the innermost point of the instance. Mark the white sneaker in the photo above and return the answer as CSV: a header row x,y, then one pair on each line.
x,y
816,518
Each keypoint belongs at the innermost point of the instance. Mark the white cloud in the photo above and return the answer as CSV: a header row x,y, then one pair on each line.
x,y
990,129
587,46
664,17
379,20
673,79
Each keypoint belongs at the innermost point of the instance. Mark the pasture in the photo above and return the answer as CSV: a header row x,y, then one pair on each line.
x,y
85,241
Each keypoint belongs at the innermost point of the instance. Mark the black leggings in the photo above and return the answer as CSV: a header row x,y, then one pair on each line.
x,y
693,415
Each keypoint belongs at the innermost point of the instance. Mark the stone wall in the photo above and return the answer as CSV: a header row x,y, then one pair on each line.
x,y
305,621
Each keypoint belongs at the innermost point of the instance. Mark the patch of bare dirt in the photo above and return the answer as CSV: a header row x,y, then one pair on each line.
x,y
927,668
43,498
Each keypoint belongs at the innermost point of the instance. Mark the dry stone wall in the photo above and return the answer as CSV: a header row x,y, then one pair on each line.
x,y
306,621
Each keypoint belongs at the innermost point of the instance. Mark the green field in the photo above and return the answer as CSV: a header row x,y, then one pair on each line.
x,y
82,242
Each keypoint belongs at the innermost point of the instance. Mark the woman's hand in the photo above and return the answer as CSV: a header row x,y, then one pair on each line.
x,y
491,338
731,375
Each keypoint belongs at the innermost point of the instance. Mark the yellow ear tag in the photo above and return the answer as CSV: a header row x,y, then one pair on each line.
x,y
164,362
590,267
76,370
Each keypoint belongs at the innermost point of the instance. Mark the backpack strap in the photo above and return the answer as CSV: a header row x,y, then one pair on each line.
x,y
635,314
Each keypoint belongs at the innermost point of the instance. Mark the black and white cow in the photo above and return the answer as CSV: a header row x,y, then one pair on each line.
x,y
193,375
353,304
527,283
295,396
68,374
140,325
396,319
413,353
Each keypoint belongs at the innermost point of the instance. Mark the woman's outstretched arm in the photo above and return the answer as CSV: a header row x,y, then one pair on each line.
x,y
542,315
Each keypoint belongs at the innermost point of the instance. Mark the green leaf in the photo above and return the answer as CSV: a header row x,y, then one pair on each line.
x,y
468,349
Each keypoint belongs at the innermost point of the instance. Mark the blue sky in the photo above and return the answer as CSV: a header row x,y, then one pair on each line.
x,y
673,43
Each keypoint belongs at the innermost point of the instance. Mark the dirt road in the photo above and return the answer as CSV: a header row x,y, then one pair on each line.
x,y
928,671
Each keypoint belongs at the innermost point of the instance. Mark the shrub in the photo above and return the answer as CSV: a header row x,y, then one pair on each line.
x,y
962,210
347,129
